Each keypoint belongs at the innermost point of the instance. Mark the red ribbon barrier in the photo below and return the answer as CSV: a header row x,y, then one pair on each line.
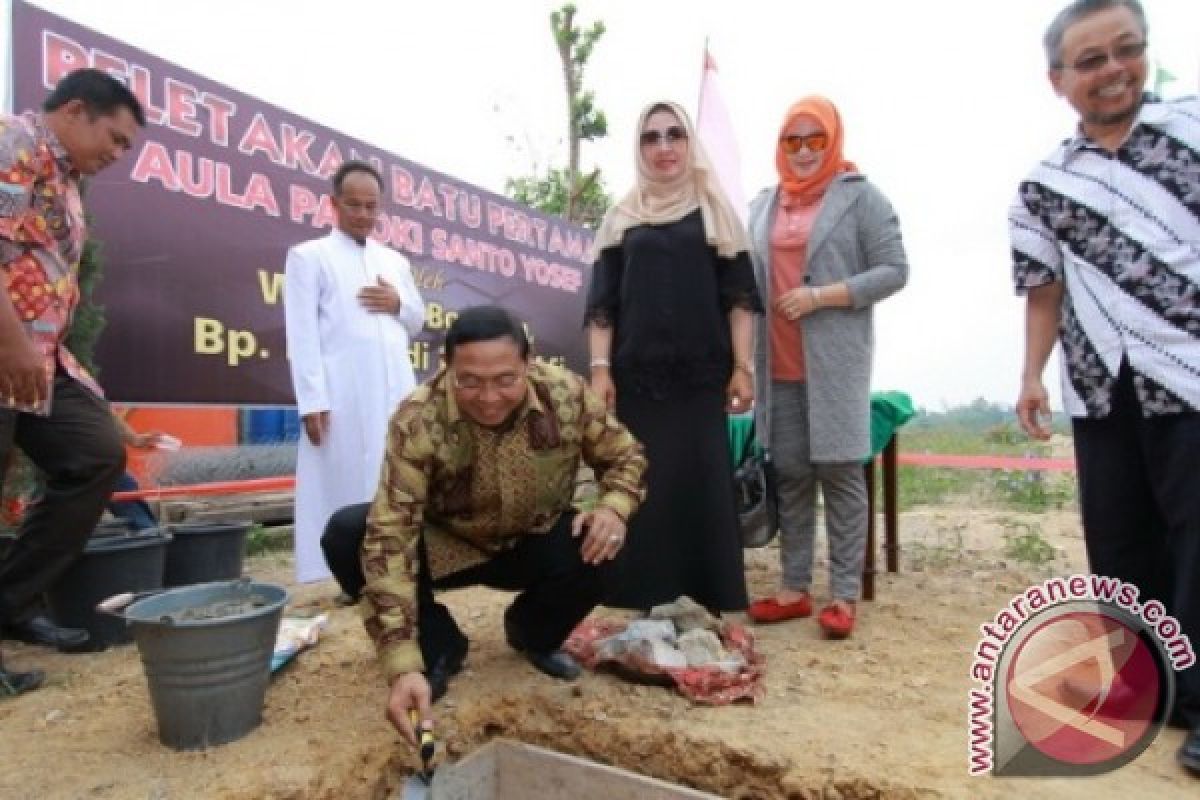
x,y
986,462
205,489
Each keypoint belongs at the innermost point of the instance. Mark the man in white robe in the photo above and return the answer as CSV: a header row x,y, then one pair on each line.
x,y
351,308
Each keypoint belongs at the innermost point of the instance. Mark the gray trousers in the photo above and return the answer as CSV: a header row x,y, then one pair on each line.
x,y
843,488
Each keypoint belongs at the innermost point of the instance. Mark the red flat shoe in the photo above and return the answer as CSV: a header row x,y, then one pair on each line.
x,y
836,621
771,610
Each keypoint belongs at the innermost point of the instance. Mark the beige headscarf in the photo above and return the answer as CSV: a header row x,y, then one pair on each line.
x,y
657,202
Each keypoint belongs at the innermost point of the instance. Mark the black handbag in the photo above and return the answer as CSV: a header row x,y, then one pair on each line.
x,y
756,500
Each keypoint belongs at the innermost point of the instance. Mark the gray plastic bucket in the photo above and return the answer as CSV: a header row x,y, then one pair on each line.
x,y
208,676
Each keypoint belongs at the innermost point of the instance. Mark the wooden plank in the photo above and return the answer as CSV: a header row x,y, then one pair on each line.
x,y
272,507
248,513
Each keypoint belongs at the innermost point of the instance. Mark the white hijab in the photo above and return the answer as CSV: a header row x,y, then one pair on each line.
x,y
653,201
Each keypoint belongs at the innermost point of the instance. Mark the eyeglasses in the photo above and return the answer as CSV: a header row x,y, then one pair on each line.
x,y
816,142
474,383
1122,54
671,135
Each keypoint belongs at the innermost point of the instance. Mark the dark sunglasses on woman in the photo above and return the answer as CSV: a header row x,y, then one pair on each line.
x,y
672,135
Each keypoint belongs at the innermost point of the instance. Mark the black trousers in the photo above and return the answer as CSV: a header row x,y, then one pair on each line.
x,y
1139,485
557,588
79,450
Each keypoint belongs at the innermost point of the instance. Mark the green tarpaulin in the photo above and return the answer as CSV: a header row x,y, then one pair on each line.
x,y
889,411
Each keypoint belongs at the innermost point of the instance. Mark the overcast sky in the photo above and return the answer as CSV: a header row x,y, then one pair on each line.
x,y
946,105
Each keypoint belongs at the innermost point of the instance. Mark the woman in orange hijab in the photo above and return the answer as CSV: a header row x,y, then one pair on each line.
x,y
826,247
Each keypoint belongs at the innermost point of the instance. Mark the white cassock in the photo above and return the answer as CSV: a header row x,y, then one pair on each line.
x,y
350,362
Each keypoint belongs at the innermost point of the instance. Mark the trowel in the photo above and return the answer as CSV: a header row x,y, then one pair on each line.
x,y
417,786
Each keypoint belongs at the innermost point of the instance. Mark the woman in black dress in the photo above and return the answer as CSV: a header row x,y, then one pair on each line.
x,y
670,318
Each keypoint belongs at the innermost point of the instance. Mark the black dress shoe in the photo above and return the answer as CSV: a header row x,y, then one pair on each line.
x,y
15,683
42,631
555,663
1189,754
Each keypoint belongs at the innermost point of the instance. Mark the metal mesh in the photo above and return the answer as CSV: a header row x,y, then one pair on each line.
x,y
231,463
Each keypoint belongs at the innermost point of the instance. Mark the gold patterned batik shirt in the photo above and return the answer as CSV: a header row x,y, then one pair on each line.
x,y
473,492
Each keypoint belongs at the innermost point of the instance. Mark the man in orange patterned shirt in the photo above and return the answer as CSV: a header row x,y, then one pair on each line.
x,y
50,407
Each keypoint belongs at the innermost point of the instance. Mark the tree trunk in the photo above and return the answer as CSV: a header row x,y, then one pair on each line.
x,y
570,79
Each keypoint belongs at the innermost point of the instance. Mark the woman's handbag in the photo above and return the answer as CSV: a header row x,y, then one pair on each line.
x,y
757,504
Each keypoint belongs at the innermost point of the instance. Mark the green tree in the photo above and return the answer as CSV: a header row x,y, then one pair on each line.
x,y
566,192
89,320
549,193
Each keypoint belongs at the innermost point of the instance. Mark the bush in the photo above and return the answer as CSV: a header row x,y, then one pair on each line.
x,y
1024,543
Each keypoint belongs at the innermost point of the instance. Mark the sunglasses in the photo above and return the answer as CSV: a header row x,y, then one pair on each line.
x,y
1122,54
816,142
671,135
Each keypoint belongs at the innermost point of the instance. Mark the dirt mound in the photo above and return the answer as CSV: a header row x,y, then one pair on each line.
x,y
881,715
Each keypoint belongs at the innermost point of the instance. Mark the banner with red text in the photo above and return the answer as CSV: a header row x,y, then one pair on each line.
x,y
196,221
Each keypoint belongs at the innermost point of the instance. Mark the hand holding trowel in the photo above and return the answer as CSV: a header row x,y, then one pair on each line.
x,y
417,786
409,712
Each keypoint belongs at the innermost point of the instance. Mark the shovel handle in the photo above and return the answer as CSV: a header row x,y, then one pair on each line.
x,y
115,604
119,602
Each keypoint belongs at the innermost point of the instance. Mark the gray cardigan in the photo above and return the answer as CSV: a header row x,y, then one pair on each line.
x,y
856,239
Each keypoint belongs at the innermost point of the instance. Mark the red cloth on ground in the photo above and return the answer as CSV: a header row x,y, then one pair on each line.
x,y
706,685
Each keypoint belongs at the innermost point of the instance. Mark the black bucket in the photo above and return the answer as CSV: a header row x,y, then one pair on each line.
x,y
115,560
201,552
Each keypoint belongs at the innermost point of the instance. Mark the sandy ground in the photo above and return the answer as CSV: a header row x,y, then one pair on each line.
x,y
880,715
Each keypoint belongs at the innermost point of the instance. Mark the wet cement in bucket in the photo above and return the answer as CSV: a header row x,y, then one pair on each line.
x,y
218,610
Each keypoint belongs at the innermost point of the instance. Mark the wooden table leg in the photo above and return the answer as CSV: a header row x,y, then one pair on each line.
x,y
891,540
868,578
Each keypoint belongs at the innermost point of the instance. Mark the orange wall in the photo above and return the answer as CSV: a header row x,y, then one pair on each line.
x,y
195,426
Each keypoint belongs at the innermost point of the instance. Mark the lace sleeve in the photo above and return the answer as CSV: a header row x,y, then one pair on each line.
x,y
737,285
605,290
745,299
598,316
